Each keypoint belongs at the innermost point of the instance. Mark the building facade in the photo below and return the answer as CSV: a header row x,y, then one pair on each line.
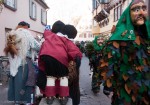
x,y
107,13
84,28
32,11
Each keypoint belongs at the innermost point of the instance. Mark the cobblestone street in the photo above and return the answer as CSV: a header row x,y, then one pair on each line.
x,y
87,96
3,94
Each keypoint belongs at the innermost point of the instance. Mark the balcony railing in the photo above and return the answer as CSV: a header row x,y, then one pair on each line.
x,y
101,15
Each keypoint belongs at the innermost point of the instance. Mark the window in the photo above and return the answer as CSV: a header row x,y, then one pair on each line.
x,y
43,17
32,9
95,4
89,35
84,35
11,4
94,23
117,12
80,36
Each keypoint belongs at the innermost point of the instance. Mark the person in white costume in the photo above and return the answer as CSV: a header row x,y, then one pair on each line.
x,y
22,79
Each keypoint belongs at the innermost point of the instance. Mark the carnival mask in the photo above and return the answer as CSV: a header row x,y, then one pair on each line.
x,y
99,41
138,13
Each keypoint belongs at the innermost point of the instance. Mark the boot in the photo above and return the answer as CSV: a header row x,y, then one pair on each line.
x,y
49,100
63,100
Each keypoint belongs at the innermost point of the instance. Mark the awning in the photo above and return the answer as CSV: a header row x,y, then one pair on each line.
x,y
101,15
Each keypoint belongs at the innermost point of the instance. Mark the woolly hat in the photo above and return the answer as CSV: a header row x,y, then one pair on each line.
x,y
57,26
70,31
124,28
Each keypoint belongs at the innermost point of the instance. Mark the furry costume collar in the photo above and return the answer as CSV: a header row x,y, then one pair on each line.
x,y
22,51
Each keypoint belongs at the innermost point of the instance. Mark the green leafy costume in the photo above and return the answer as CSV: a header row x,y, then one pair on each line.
x,y
126,62
96,56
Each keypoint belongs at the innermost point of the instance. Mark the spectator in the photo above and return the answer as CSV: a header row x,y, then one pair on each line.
x,y
22,74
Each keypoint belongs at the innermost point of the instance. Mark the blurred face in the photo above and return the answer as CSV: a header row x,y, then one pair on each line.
x,y
26,27
138,13
99,41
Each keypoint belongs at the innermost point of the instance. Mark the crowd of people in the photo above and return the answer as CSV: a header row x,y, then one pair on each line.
x,y
121,63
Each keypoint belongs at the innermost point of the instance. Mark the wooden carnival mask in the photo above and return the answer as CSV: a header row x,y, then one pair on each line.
x,y
138,12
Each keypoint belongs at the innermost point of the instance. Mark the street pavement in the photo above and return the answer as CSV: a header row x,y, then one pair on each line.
x,y
3,93
87,96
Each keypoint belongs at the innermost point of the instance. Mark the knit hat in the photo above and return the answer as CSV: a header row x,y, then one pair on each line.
x,y
125,29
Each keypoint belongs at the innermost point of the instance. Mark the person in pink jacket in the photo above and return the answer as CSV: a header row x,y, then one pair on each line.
x,y
55,53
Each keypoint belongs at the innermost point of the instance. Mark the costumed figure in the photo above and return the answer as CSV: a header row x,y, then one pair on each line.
x,y
56,52
80,46
22,74
93,58
73,67
126,58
